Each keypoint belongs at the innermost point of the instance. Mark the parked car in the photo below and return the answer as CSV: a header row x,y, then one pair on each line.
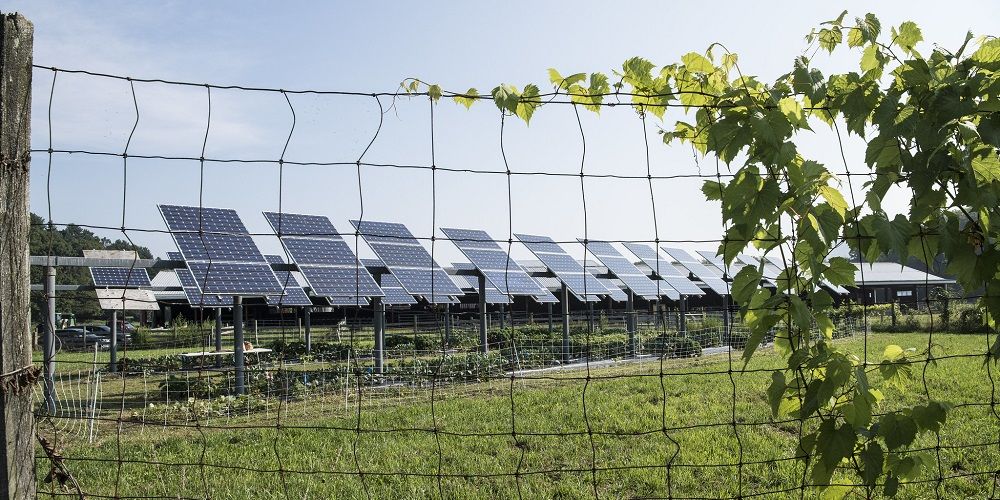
x,y
74,338
123,326
105,333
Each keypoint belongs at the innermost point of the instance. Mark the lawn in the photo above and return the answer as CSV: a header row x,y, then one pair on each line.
x,y
627,430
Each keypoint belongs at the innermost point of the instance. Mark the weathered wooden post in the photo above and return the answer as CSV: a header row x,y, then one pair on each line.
x,y
17,471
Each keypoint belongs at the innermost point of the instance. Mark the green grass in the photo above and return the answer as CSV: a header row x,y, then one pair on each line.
x,y
628,406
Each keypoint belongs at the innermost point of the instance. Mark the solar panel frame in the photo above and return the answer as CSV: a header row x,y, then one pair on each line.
x,y
293,294
403,255
706,275
667,272
569,271
120,277
503,272
219,251
327,263
624,269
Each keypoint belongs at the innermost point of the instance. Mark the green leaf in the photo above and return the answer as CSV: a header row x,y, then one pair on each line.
x,y
829,38
792,109
835,443
841,272
712,190
776,391
872,462
898,430
697,63
988,55
893,352
930,417
527,103
745,283
891,486
506,97
800,313
834,198
434,91
470,97
986,165
907,36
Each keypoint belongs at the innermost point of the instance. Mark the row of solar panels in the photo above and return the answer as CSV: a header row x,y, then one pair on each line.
x,y
223,261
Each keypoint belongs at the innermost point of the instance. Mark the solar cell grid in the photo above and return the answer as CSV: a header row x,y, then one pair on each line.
x,y
119,277
235,278
340,282
309,251
500,270
545,298
312,226
221,247
294,294
208,220
403,255
600,248
648,289
491,259
391,232
567,269
419,281
706,275
616,293
347,301
471,238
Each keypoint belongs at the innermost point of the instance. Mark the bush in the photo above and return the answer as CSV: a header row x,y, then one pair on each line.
x,y
408,342
321,351
671,345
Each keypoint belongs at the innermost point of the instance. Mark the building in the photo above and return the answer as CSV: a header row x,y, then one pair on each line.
x,y
884,282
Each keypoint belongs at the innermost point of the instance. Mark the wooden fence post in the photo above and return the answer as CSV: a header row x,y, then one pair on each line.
x,y
17,472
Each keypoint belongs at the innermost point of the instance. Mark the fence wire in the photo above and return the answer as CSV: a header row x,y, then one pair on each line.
x,y
675,415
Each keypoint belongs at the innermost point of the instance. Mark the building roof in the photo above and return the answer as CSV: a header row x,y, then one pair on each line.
x,y
167,277
892,273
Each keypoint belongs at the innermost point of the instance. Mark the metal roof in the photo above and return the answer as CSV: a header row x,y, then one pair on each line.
x,y
892,273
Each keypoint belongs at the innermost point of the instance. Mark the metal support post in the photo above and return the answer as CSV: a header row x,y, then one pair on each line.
x,y
564,298
218,336
727,334
503,317
447,327
49,340
483,337
630,325
113,365
378,322
682,316
590,316
238,354
548,307
307,319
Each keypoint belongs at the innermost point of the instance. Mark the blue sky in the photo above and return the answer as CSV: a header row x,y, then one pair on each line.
x,y
372,46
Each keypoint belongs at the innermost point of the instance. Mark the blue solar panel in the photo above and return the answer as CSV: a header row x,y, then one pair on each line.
x,y
119,277
347,301
174,256
208,220
327,262
406,259
500,270
471,238
706,275
223,247
394,255
340,282
566,268
294,294
616,294
314,226
384,231
319,251
193,293
395,295
664,269
545,298
227,263
602,248
636,280
235,278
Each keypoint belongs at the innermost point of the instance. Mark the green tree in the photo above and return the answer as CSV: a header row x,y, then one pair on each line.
x,y
70,241
932,127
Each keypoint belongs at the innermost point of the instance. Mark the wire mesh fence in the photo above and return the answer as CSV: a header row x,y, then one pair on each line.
x,y
652,403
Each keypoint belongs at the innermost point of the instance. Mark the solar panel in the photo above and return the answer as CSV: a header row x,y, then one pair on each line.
x,y
664,269
219,251
632,276
717,261
617,294
391,232
202,219
493,295
119,277
489,258
694,266
347,301
294,294
395,294
328,265
408,261
313,226
193,293
567,269
545,298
